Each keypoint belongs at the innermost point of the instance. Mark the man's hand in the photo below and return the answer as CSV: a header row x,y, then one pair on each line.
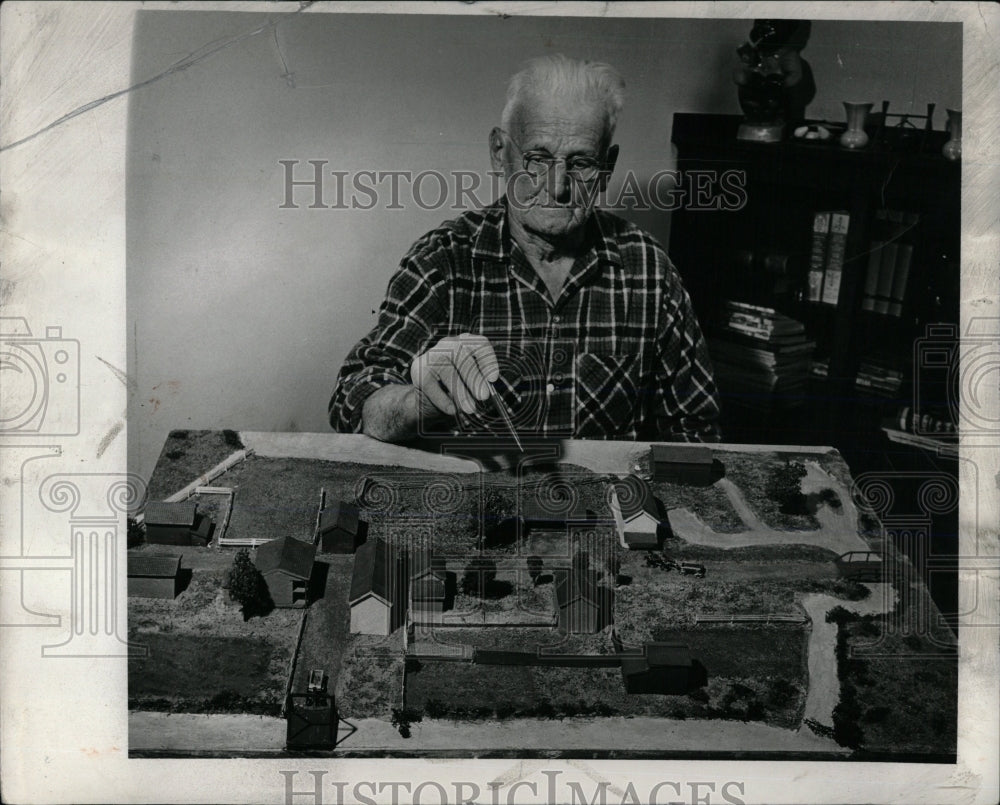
x,y
454,374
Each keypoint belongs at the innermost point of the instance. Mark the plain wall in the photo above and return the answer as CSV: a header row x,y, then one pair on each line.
x,y
240,312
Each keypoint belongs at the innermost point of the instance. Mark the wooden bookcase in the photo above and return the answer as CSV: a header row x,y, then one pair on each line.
x,y
785,184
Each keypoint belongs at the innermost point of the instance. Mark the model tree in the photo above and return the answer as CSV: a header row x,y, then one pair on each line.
x,y
247,585
784,487
498,517
136,532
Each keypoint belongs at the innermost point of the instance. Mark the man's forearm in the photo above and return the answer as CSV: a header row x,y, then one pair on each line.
x,y
392,413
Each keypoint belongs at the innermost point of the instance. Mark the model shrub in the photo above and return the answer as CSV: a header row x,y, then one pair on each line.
x,y
232,439
404,717
784,487
247,585
840,616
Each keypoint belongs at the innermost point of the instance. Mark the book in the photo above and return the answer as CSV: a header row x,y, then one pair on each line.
x,y
871,277
764,336
761,357
880,374
901,274
756,317
817,256
889,262
886,269
940,446
787,344
763,327
725,350
882,233
766,327
908,420
836,247
746,307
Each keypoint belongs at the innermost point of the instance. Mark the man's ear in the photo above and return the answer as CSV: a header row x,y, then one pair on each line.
x,y
496,150
610,160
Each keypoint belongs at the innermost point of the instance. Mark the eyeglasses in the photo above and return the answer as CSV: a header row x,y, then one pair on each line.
x,y
538,163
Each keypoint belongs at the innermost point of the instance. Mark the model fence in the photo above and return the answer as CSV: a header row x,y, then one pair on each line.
x,y
762,618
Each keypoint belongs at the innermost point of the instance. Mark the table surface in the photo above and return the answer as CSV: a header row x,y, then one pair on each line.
x,y
456,455
635,736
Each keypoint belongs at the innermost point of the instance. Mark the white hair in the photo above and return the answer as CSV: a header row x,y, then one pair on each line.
x,y
559,76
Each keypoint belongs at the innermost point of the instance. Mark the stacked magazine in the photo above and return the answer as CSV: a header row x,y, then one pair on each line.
x,y
879,376
761,357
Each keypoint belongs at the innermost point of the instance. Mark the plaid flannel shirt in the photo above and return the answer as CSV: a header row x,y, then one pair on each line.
x,y
618,355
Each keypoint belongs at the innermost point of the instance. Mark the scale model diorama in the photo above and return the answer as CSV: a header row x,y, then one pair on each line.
x,y
740,596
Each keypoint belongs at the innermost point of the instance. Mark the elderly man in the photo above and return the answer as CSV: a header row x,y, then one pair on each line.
x,y
576,318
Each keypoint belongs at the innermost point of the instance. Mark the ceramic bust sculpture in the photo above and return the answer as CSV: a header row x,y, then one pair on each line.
x,y
774,82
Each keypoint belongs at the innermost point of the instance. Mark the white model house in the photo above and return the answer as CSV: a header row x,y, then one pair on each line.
x,y
636,514
378,589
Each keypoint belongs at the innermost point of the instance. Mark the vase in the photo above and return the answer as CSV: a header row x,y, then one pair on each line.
x,y
953,148
857,116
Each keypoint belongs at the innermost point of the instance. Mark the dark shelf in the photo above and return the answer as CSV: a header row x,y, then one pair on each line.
x,y
812,164
719,253
785,184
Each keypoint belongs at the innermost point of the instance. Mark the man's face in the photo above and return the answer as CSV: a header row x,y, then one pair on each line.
x,y
553,204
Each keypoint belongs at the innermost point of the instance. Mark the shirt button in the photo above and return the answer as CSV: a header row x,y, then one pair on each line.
x,y
556,319
557,377
549,388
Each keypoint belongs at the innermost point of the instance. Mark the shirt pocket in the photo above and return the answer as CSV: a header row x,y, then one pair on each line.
x,y
606,395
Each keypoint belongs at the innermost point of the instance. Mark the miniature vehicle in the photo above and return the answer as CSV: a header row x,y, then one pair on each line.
x,y
860,565
666,563
658,560
318,681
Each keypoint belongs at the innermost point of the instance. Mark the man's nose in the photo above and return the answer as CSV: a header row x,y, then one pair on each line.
x,y
560,184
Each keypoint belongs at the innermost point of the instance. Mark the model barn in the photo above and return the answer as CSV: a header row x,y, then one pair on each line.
x,y
583,607
339,528
377,597
428,582
637,515
553,514
286,564
661,668
682,463
153,576
176,524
